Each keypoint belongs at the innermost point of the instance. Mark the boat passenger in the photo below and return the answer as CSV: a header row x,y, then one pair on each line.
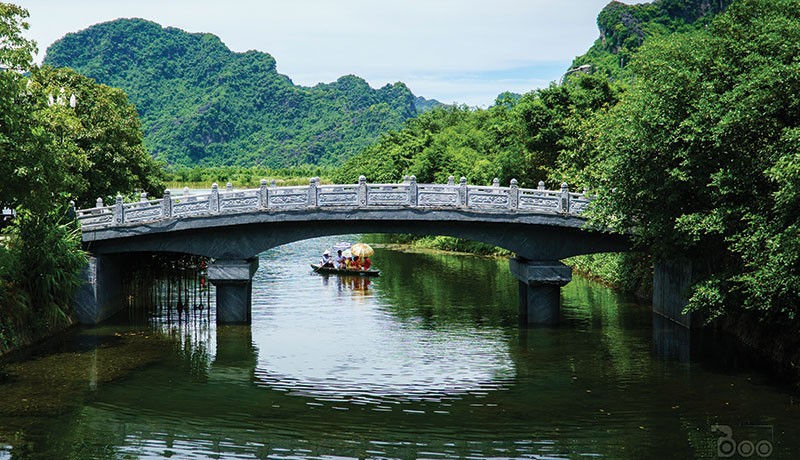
x,y
366,263
327,260
355,265
340,260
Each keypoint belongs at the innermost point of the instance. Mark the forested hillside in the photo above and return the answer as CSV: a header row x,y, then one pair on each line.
x,y
201,103
624,28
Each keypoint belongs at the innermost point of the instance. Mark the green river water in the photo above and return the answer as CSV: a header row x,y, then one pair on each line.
x,y
426,361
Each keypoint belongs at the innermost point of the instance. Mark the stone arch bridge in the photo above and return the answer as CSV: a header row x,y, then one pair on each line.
x,y
233,226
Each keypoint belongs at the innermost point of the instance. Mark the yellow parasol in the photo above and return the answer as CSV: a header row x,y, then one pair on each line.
x,y
361,250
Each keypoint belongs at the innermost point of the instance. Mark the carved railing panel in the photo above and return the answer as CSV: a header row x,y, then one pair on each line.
x,y
578,203
388,195
407,194
102,216
488,197
287,197
337,195
246,200
142,211
190,206
538,200
431,195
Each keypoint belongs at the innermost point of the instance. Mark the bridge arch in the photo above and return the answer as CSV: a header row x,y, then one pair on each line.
x,y
243,236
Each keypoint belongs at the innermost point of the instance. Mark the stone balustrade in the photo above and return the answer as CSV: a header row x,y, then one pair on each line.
x,y
269,198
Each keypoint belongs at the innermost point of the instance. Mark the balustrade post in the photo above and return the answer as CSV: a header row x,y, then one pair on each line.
x,y
143,197
413,190
263,195
119,211
495,182
462,192
513,195
563,202
405,179
98,203
166,204
186,192
312,193
228,187
540,186
273,183
362,190
451,180
213,200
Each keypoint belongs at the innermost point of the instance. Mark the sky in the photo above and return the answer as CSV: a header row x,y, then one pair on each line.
x,y
455,51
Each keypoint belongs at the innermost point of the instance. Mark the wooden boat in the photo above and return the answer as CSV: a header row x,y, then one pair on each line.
x,y
338,271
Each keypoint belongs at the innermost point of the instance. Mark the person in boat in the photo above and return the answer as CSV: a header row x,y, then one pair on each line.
x,y
340,260
366,263
355,264
327,260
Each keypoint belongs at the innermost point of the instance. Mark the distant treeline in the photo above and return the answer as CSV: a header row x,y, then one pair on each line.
x,y
243,176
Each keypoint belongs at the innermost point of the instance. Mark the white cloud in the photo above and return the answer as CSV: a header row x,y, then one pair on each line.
x,y
382,41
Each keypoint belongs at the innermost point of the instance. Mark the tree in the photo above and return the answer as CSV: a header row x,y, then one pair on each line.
x,y
101,137
53,150
15,50
698,158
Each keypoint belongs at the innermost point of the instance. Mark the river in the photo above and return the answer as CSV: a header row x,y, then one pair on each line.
x,y
426,361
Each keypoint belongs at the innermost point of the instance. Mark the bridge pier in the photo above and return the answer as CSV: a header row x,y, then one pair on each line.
x,y
101,295
540,289
233,280
672,279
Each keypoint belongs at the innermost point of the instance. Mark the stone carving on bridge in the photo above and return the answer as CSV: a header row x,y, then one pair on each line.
x,y
98,220
190,206
338,198
288,197
387,198
437,195
238,203
139,215
541,202
492,199
213,200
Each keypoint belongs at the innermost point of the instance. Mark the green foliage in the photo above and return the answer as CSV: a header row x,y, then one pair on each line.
x,y
202,104
41,264
628,272
51,152
699,158
449,243
519,137
15,50
101,137
625,28
241,176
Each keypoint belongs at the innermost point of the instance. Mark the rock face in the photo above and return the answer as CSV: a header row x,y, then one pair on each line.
x,y
202,103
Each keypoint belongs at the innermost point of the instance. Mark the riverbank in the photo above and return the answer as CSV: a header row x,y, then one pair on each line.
x,y
27,342
778,345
